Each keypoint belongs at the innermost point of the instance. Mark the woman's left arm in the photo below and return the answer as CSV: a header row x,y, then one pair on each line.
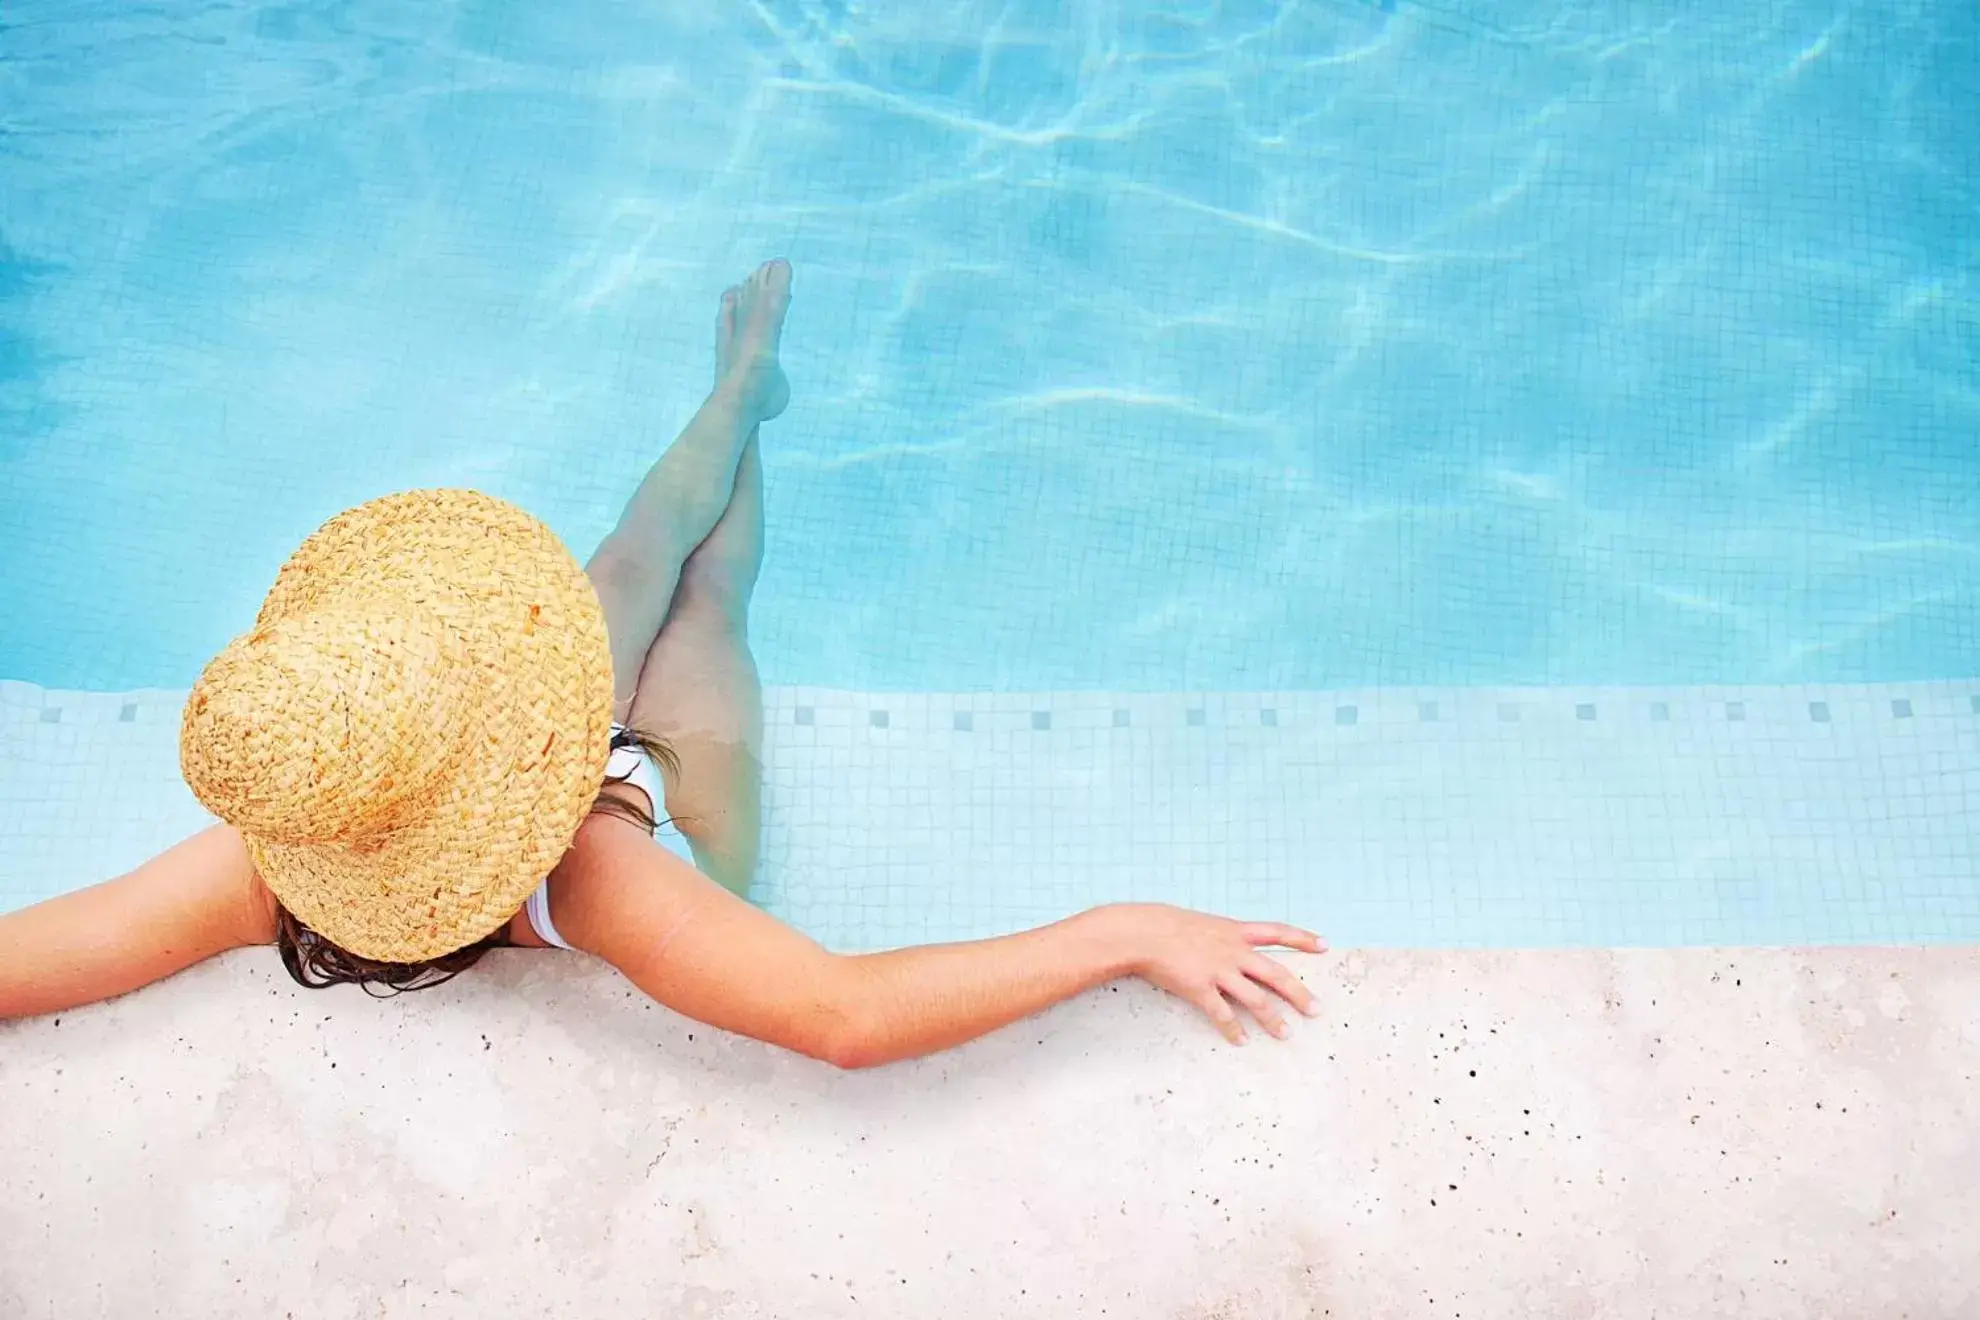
x,y
190,902
705,953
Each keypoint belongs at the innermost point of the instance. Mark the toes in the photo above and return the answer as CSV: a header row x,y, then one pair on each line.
x,y
774,273
768,295
774,279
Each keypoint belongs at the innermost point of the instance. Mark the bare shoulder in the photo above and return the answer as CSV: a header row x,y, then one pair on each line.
x,y
258,909
616,890
212,872
610,857
692,945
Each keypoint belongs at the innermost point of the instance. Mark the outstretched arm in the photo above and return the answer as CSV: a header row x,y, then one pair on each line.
x,y
705,953
183,906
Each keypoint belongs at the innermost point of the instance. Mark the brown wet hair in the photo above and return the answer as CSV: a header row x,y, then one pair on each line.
x,y
316,963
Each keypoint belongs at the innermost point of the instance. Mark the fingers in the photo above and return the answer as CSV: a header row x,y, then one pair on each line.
x,y
1260,985
1279,979
1218,1009
1270,933
1259,1004
1200,961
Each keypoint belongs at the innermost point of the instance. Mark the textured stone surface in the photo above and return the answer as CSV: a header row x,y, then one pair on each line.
x,y
1602,1134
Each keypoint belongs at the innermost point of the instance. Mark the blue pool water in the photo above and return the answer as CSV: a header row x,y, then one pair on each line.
x,y
1137,349
1242,345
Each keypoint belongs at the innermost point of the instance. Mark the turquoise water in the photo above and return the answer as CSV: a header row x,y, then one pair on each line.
x,y
1235,346
1251,456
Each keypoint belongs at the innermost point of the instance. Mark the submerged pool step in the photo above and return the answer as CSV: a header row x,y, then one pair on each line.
x,y
1451,816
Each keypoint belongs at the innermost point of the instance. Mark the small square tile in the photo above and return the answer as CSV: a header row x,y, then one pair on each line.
x,y
1426,711
1195,717
1818,711
1041,719
1735,711
1585,711
806,715
877,718
964,721
51,714
1120,718
1269,718
1345,715
1901,708
128,713
1508,712
1660,712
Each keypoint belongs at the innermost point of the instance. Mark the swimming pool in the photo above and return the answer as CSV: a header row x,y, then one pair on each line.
x,y
1451,474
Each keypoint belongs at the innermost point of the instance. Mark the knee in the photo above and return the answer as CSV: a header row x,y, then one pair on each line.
x,y
627,573
719,584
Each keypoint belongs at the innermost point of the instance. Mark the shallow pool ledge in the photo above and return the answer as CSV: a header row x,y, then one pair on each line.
x,y
1463,1134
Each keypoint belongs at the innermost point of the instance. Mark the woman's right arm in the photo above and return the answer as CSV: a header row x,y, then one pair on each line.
x,y
700,950
190,902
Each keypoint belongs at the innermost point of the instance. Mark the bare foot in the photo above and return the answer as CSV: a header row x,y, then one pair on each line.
x,y
747,331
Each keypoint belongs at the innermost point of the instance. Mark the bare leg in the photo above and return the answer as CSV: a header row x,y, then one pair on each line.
x,y
638,567
699,691
676,580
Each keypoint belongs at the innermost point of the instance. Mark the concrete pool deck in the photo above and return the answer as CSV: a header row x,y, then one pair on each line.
x,y
1668,1133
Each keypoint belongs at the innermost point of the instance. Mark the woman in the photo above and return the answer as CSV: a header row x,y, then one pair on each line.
x,y
437,708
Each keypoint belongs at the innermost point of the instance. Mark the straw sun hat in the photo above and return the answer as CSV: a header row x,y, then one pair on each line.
x,y
416,726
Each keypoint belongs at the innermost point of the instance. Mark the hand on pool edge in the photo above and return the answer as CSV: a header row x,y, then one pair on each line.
x,y
1215,963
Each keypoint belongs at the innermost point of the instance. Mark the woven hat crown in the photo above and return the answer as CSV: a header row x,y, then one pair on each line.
x,y
409,736
330,727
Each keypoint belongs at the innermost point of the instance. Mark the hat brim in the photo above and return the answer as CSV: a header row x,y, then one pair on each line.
x,y
534,752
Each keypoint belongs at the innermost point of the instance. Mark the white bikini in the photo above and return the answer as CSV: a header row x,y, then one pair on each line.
x,y
632,765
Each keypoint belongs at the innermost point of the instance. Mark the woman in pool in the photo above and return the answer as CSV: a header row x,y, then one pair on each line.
x,y
437,709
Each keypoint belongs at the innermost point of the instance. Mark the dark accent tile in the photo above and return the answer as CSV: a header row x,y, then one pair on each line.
x,y
1660,712
1901,708
1120,718
128,715
964,721
1976,705
1345,715
805,715
1735,711
1426,711
1041,720
1818,711
1196,717
877,718
1585,711
51,714
1269,718
1508,712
